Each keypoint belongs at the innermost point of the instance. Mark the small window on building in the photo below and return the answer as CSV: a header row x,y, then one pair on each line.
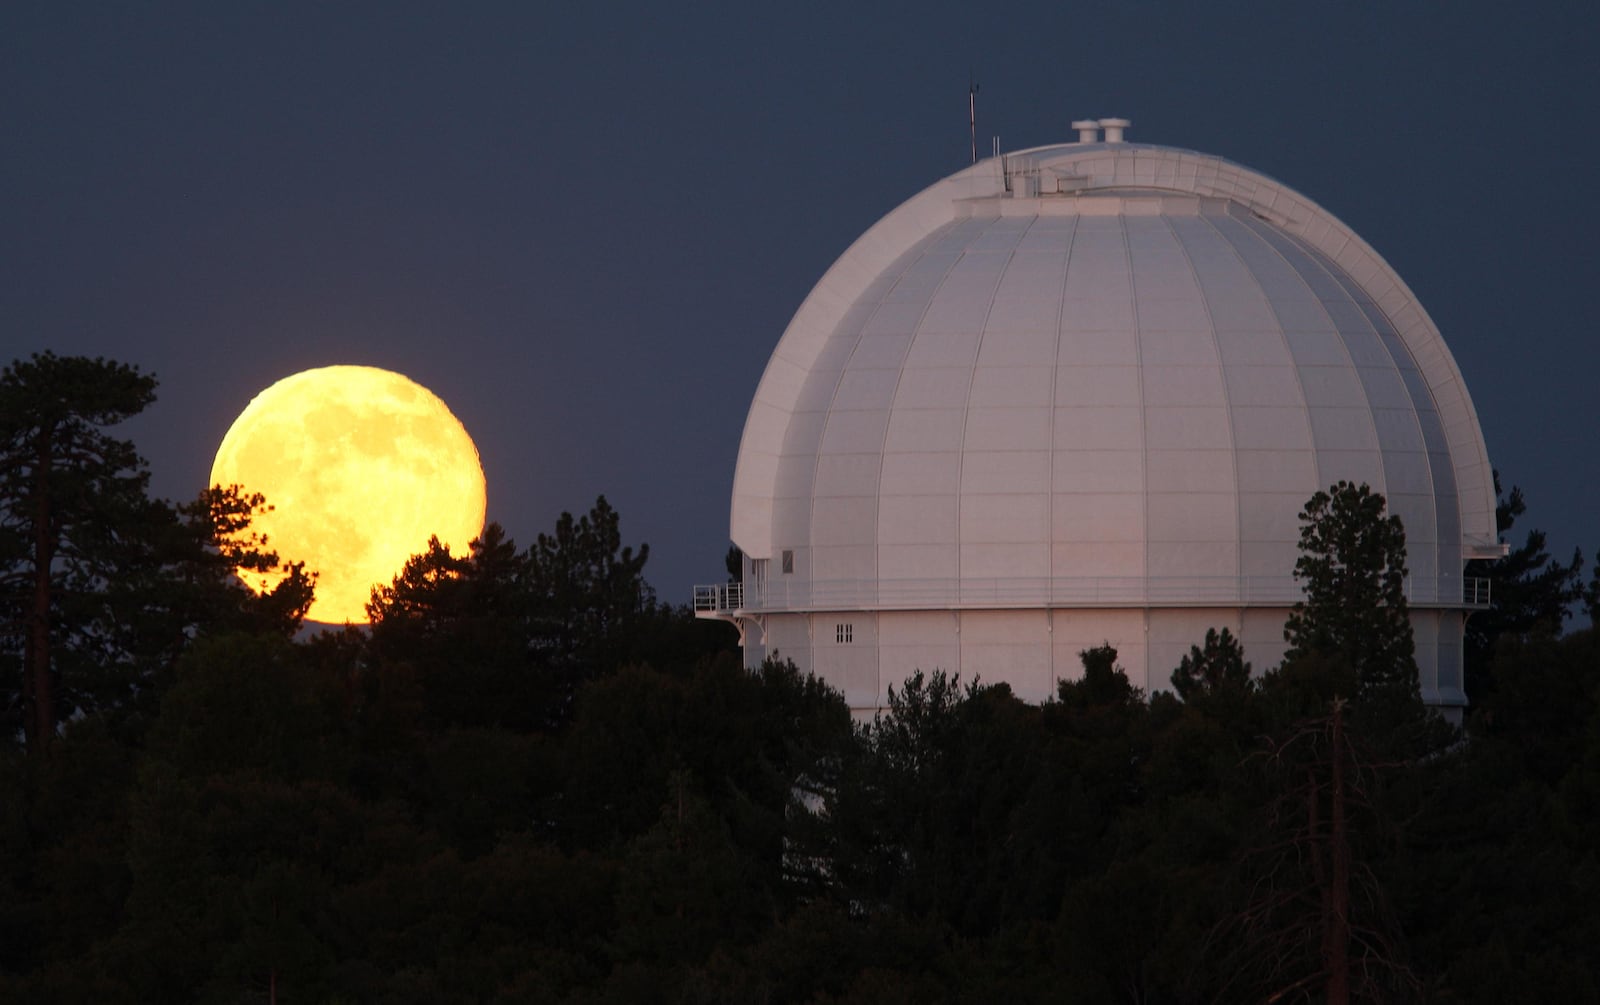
x,y
844,633
788,562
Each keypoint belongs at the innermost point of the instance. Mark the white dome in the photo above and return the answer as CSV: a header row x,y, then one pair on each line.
x,y
1100,374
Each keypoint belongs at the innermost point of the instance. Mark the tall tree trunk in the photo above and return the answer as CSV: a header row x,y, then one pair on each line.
x,y
1336,926
41,720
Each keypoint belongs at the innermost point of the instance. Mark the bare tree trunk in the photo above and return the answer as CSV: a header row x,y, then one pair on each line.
x,y
41,720
1336,925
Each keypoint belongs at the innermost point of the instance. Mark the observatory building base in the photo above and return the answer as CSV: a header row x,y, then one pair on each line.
x,y
863,654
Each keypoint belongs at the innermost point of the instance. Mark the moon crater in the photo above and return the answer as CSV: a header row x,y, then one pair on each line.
x,y
361,466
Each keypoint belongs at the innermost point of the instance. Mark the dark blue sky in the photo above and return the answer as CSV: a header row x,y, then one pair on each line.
x,y
585,226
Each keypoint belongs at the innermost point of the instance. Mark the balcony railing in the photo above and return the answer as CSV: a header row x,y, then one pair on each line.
x,y
1470,593
719,597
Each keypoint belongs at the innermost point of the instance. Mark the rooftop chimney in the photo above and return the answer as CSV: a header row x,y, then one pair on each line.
x,y
1088,130
1114,128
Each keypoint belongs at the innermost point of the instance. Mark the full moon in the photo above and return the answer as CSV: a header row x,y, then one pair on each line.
x,y
360,466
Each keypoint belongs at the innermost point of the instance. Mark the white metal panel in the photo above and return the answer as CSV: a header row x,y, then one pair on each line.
x,y
1074,471
917,284
917,520
1112,311
1335,386
1192,516
1184,385
1008,429
1020,518
847,475
1272,516
851,563
1302,314
1408,472
791,520
854,432
1008,647
1029,295
1176,346
897,317
1425,638
932,387
1099,348
1354,466
920,473
1011,386
851,666
1400,434
962,301
1271,561
885,350
866,389
998,564
836,520
1099,516
1261,637
932,563
1187,428
916,640
1105,427
1000,235
834,355
1450,678
1264,385
1097,559
1082,385
1183,560
1240,310
1385,388
1343,429
1240,348
1272,429
798,473
1293,471
1159,313
1314,348
1005,471
1009,347
935,346
1191,471
925,429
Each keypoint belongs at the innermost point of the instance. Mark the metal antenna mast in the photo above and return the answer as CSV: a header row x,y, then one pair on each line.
x,y
972,114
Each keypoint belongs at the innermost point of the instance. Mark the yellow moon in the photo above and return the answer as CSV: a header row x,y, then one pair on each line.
x,y
360,466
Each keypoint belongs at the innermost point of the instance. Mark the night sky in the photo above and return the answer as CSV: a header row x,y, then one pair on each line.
x,y
586,225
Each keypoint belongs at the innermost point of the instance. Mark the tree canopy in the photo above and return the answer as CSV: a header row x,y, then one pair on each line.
x,y
531,781
1529,590
103,585
74,501
1352,566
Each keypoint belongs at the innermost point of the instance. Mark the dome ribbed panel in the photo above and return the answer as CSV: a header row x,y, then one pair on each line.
x,y
1273,459
1191,495
1098,430
1129,400
1344,315
1004,496
1418,474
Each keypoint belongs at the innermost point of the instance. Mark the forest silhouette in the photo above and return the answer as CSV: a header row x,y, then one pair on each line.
x,y
530,780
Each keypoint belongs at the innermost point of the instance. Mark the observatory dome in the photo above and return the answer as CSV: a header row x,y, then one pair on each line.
x,y
1079,394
